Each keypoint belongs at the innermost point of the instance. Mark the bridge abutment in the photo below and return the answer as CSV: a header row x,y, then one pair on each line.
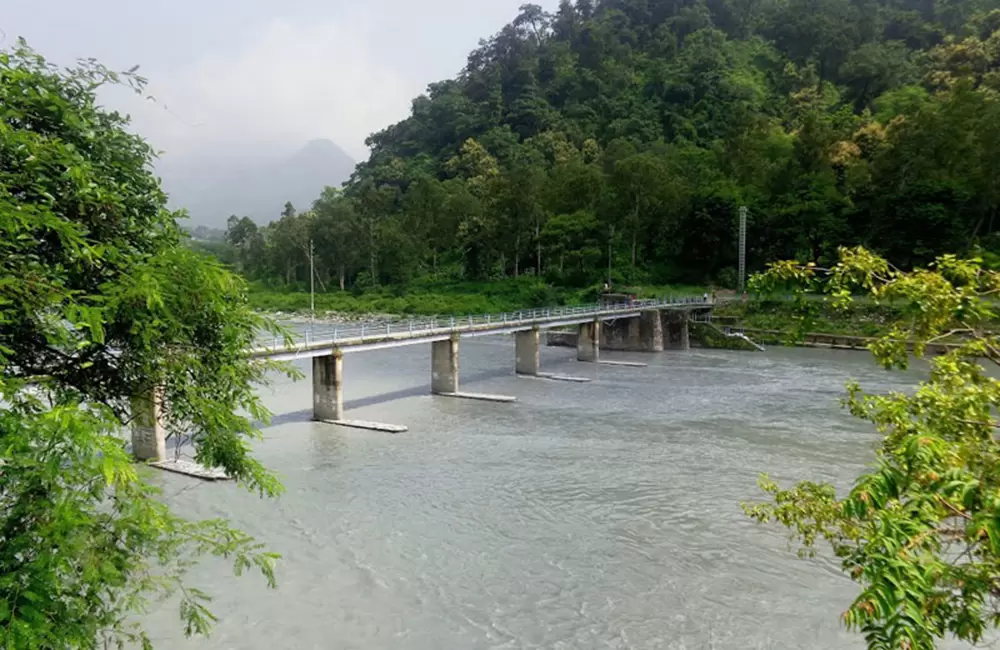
x,y
588,343
149,440
642,334
620,334
676,333
328,387
527,350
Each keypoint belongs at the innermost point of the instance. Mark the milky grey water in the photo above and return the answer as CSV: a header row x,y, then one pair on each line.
x,y
601,515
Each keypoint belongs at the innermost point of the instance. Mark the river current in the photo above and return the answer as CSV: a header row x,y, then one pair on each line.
x,y
600,515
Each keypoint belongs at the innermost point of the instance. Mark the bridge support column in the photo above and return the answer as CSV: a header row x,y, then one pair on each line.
x,y
328,396
676,332
588,343
651,331
527,349
328,389
642,334
149,441
444,366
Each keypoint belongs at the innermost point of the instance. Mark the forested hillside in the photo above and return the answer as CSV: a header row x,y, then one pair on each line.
x,y
637,128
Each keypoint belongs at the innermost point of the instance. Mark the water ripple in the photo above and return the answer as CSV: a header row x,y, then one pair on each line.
x,y
602,515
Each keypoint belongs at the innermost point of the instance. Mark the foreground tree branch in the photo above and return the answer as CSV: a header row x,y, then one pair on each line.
x,y
101,301
936,481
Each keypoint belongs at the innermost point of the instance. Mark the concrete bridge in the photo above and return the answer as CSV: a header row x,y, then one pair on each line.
x,y
641,326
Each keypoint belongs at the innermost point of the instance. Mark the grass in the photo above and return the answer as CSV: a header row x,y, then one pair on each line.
x,y
428,297
860,319
787,322
665,290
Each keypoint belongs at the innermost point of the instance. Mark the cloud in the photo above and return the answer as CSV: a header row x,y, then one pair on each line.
x,y
288,84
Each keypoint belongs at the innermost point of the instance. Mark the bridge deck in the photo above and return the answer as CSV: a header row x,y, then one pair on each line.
x,y
378,335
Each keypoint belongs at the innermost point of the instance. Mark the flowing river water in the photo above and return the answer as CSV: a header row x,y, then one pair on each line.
x,y
600,515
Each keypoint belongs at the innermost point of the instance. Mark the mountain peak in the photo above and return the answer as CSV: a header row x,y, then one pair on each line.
x,y
261,189
323,148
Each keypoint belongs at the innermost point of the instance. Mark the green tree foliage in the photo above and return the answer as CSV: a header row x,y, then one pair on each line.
x,y
836,122
920,531
101,304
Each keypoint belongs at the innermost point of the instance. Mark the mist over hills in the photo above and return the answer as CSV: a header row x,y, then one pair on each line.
x,y
256,187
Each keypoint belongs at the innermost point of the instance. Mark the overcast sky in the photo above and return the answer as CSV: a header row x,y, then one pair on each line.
x,y
263,75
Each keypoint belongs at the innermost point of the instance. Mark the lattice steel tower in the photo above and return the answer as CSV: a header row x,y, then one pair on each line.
x,y
743,249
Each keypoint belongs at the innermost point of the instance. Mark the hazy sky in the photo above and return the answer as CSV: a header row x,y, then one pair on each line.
x,y
263,75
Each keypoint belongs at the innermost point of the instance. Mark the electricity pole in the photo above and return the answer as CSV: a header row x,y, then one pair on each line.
x,y
312,287
743,249
611,237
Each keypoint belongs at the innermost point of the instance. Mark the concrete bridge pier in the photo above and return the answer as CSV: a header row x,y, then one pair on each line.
x,y
651,331
527,349
685,336
642,334
328,396
444,373
676,333
328,387
444,366
149,440
588,343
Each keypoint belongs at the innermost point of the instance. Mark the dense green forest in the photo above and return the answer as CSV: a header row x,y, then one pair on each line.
x,y
631,131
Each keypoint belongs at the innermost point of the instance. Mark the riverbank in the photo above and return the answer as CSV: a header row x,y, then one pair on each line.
x,y
784,319
433,298
830,341
816,324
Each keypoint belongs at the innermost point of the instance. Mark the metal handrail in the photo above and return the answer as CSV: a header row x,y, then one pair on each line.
x,y
382,330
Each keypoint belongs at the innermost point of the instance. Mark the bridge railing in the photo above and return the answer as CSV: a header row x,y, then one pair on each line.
x,y
320,334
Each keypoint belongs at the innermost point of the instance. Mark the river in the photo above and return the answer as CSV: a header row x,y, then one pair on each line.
x,y
601,515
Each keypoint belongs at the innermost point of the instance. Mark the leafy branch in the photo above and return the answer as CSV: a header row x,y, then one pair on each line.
x,y
935,484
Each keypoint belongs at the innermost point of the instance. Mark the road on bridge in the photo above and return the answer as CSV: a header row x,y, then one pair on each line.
x,y
358,337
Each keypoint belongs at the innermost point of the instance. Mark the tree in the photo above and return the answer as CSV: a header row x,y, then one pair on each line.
x,y
640,186
289,243
519,200
244,235
424,204
102,306
478,225
824,31
920,532
835,121
335,233
573,239
874,68
373,204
